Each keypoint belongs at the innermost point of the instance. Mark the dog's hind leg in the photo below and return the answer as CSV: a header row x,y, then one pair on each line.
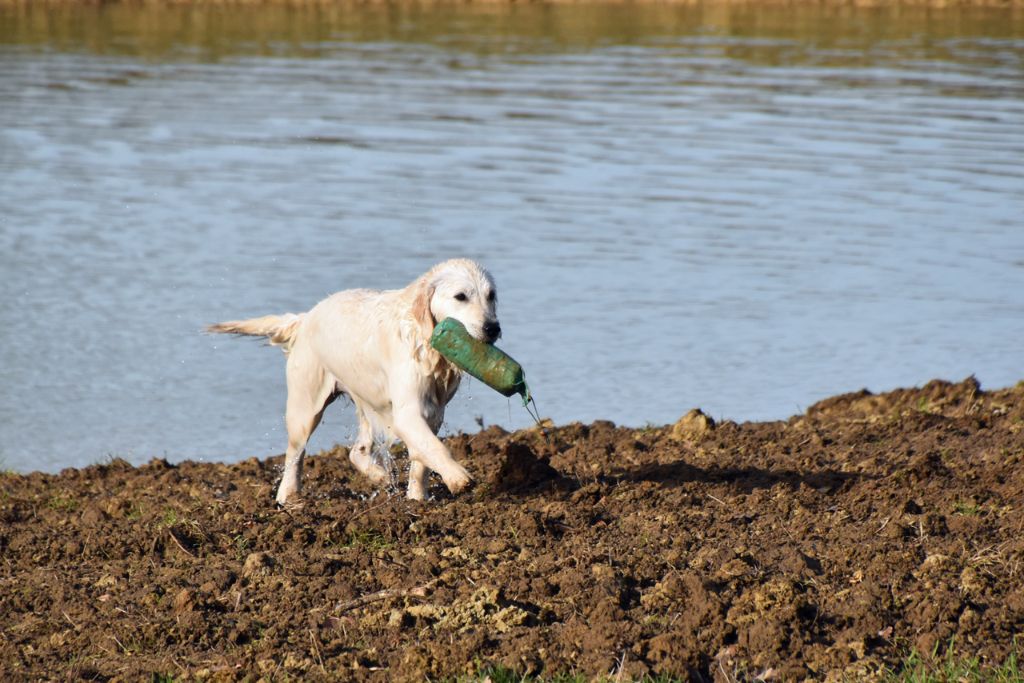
x,y
361,453
310,389
418,474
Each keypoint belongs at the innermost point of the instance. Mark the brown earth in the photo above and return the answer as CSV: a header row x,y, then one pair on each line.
x,y
825,546
356,3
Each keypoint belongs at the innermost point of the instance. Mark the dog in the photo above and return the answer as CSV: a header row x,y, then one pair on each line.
x,y
374,347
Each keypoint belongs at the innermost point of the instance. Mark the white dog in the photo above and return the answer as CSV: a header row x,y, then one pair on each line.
x,y
374,346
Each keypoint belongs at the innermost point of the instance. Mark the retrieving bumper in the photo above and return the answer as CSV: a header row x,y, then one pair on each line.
x,y
486,362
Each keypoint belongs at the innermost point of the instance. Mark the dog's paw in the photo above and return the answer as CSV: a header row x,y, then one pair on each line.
x,y
417,490
458,480
288,498
293,504
377,474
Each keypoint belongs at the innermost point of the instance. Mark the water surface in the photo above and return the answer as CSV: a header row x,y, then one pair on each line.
x,y
740,209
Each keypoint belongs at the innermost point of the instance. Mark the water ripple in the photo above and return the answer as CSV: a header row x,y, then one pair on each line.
x,y
676,217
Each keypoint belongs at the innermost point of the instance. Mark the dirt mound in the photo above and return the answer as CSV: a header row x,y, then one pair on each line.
x,y
824,546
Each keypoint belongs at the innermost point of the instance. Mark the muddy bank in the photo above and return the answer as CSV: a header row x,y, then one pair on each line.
x,y
447,3
826,545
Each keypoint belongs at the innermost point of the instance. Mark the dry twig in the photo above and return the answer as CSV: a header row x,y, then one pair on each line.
x,y
415,592
174,537
316,650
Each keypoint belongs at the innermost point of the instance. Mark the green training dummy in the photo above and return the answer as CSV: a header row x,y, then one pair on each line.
x,y
486,362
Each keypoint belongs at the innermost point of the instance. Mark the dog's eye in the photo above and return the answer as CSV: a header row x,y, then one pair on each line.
x,y
492,296
461,296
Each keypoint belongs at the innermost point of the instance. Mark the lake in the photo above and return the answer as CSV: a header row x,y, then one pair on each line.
x,y
745,209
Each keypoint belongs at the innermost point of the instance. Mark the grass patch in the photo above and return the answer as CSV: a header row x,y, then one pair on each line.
x,y
924,405
105,460
955,667
62,503
951,667
499,674
366,539
967,509
170,518
241,546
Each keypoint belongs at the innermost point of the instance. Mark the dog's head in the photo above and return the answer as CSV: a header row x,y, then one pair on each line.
x,y
460,289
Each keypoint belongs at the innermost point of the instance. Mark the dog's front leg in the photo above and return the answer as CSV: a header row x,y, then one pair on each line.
x,y
427,451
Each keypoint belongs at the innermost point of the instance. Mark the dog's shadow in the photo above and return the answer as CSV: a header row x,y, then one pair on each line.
x,y
525,473
742,479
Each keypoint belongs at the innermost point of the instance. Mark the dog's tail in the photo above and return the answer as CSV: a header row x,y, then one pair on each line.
x,y
280,330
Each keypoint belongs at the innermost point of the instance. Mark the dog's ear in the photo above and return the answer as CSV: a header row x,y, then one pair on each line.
x,y
421,312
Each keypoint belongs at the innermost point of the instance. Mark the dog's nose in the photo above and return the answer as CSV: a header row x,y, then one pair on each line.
x,y
492,330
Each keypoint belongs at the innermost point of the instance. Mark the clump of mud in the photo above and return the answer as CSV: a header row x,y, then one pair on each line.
x,y
822,547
